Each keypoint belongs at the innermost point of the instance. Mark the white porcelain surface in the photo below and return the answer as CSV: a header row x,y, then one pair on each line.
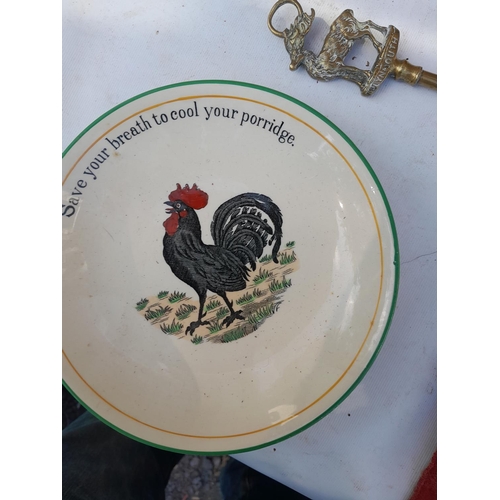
x,y
212,396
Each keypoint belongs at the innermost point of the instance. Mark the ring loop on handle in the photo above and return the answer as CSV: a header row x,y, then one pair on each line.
x,y
275,7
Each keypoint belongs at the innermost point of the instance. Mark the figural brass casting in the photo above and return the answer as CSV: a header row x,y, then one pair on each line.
x,y
344,31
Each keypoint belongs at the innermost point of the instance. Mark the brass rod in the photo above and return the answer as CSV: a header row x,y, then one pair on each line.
x,y
414,75
429,80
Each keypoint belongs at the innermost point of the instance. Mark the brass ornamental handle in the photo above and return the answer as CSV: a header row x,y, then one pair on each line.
x,y
344,31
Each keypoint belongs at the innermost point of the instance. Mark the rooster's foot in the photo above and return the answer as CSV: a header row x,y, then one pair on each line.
x,y
194,325
232,317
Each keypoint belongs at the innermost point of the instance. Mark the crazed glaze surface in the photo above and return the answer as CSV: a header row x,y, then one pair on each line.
x,y
212,396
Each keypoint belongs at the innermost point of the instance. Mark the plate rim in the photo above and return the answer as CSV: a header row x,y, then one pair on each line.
x,y
396,262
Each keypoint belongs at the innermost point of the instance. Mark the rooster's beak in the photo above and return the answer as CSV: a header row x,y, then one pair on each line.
x,y
170,204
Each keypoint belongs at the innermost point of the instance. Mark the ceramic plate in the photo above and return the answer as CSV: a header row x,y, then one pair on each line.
x,y
230,267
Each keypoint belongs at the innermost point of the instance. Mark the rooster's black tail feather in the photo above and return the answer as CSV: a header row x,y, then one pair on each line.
x,y
240,226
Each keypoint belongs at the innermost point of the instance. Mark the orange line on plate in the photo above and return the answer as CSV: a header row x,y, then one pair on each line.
x,y
381,268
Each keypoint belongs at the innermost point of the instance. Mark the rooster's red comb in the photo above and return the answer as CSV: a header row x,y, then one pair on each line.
x,y
192,197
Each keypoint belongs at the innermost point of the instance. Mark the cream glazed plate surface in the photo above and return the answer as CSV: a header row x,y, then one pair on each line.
x,y
230,267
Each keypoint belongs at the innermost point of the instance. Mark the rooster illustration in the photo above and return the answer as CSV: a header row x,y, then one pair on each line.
x,y
240,232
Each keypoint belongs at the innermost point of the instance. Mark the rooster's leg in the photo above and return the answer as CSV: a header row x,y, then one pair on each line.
x,y
195,324
234,314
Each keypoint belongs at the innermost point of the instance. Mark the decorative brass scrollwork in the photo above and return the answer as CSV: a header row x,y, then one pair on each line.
x,y
344,31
